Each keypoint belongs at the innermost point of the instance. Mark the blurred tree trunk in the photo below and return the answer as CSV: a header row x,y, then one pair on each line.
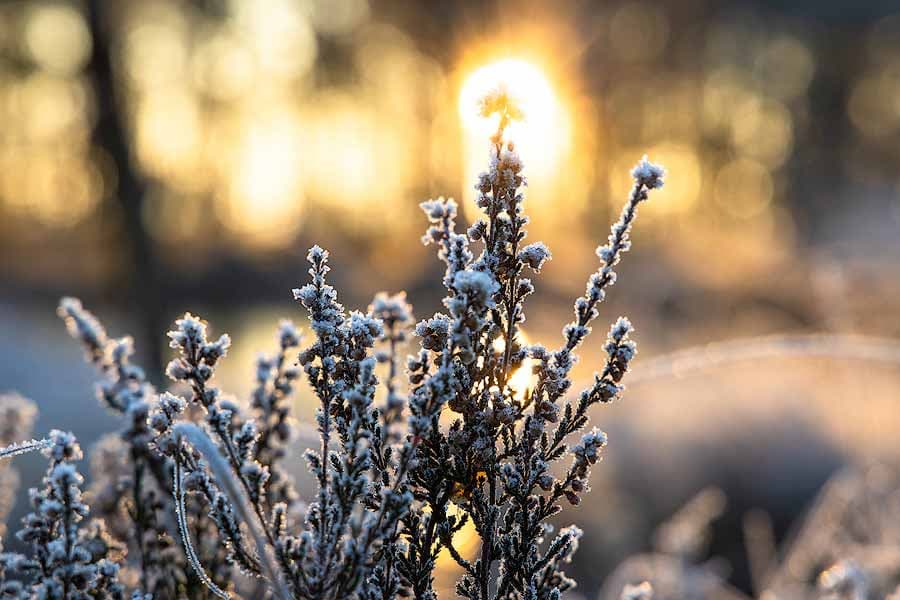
x,y
144,298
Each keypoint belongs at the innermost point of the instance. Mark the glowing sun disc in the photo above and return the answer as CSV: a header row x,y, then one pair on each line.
x,y
542,138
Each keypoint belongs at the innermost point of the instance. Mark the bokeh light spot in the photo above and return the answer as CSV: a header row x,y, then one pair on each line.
x,y
57,37
743,188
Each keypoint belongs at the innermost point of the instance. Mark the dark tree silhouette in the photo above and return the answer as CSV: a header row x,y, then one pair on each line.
x,y
143,282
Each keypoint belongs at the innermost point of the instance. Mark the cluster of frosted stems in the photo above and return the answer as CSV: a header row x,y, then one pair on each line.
x,y
408,451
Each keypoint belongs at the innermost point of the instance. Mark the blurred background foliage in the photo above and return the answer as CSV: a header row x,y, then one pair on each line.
x,y
162,155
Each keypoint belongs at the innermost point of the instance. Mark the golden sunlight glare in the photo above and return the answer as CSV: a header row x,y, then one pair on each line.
x,y
522,380
542,138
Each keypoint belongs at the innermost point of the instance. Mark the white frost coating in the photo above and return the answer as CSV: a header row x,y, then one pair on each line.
x,y
181,516
222,472
24,447
648,174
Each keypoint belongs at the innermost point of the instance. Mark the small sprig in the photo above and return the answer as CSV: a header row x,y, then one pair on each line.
x,y
17,448
62,562
495,459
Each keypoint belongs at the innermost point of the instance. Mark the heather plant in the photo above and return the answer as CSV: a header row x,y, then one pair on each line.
x,y
132,480
68,558
200,477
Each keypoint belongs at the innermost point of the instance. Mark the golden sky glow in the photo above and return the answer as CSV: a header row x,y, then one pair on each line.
x,y
268,122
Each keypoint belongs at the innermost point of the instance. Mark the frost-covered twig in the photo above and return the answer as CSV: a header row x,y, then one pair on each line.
x,y
63,561
145,480
201,442
25,447
185,530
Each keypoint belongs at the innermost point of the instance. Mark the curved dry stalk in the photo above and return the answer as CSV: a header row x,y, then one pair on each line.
x,y
24,447
189,551
222,471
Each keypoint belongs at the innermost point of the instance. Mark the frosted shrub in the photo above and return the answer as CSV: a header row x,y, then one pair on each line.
x,y
404,458
67,558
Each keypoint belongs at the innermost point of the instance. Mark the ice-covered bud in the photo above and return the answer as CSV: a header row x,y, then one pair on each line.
x,y
572,535
506,169
178,369
548,411
306,295
484,184
189,334
363,331
83,326
648,174
160,422
62,477
620,329
65,447
439,209
288,335
213,351
534,428
122,349
256,475
318,255
171,404
620,349
534,255
525,288
393,310
588,451
511,477
546,481
478,230
478,286
245,439
607,255
203,372
510,160
434,332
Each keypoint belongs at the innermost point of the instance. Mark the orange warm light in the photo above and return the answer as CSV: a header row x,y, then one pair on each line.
x,y
542,138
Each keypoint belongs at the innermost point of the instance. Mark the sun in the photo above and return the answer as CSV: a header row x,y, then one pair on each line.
x,y
542,137
526,82
544,125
